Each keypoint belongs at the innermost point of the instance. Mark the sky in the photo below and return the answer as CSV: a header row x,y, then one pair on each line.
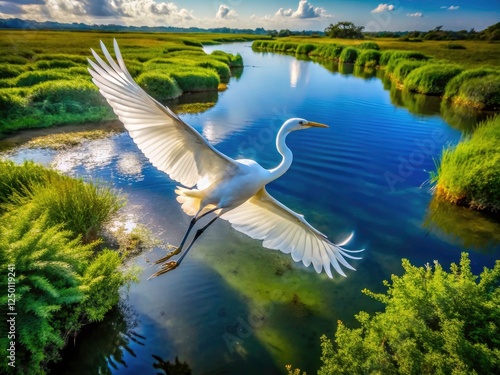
x,y
397,15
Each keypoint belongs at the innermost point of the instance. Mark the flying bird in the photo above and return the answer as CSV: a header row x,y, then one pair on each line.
x,y
213,183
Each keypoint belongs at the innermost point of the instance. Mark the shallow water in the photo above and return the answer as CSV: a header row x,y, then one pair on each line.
x,y
235,307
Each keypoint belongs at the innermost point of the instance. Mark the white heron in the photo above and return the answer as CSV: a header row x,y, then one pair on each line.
x,y
233,190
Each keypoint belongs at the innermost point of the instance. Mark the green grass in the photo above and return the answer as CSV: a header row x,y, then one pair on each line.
x,y
368,58
44,79
469,173
349,55
431,79
403,67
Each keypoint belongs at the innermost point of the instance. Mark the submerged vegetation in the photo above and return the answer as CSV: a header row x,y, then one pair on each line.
x,y
44,79
421,70
469,173
49,237
434,322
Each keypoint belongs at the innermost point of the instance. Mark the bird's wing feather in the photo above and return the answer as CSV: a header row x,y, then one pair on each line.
x,y
263,217
171,145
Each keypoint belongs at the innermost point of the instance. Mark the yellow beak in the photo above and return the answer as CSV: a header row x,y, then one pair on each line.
x,y
316,124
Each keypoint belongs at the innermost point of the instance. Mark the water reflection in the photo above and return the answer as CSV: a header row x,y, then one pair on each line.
x,y
462,117
168,368
462,226
101,348
298,72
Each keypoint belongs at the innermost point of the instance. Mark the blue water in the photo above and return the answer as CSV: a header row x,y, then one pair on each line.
x,y
234,307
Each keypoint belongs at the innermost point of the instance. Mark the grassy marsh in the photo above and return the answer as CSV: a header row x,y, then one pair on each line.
x,y
44,79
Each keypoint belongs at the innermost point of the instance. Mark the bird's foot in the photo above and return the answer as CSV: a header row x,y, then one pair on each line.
x,y
168,256
169,266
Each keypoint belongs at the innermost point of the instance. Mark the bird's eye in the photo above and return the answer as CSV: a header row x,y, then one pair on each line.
x,y
301,122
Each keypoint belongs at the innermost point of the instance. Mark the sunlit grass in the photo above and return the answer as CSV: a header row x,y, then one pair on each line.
x,y
469,173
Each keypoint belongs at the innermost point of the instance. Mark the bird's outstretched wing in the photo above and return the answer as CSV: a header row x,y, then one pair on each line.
x,y
263,217
171,145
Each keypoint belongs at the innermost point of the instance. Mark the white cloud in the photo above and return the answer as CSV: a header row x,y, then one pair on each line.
x,y
382,8
226,13
304,11
453,7
416,14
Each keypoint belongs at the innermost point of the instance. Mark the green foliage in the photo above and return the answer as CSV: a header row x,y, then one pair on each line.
x,y
10,71
327,51
453,86
78,92
193,43
369,45
389,55
431,78
53,64
219,67
195,79
349,55
61,57
345,30
304,48
435,322
159,85
483,92
34,77
403,67
60,282
470,172
11,105
368,58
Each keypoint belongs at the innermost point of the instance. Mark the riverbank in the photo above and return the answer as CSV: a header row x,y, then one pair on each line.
x,y
44,80
413,70
469,174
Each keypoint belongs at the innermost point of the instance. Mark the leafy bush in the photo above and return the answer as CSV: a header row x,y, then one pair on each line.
x,y
470,172
368,58
159,85
434,322
369,45
348,55
431,78
10,71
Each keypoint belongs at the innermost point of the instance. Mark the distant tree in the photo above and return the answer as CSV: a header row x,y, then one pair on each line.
x,y
272,33
345,30
284,32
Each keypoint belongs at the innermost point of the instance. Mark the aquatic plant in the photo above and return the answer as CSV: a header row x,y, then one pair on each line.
x,y
469,173
403,67
160,86
481,92
453,86
304,48
431,79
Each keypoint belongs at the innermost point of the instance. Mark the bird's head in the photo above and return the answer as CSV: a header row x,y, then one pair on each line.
x,y
301,124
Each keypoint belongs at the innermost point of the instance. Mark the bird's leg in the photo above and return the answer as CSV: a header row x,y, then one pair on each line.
x,y
169,266
183,242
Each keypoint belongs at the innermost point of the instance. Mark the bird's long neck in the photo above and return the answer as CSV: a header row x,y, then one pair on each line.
x,y
285,152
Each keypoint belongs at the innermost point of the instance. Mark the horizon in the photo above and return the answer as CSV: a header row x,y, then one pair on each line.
x,y
295,15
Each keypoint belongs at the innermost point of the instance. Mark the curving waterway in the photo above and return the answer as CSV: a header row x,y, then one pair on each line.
x,y
234,307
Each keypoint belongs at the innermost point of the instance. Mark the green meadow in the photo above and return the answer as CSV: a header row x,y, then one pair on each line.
x,y
44,79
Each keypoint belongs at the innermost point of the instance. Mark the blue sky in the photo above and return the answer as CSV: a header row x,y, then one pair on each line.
x,y
279,14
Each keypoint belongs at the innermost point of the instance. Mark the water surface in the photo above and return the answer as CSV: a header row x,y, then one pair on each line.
x,y
234,307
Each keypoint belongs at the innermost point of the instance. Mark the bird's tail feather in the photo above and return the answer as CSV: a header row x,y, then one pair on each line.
x,y
190,200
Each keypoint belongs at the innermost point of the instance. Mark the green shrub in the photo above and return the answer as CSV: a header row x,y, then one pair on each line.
x,y
470,172
368,45
10,71
304,48
328,51
434,322
348,55
368,58
32,78
193,43
221,68
159,85
452,45
431,78
456,82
